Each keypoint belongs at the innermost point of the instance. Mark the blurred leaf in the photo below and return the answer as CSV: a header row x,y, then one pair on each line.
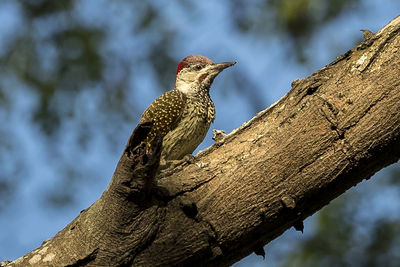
x,y
341,238
383,249
6,191
162,62
79,59
395,177
296,20
36,8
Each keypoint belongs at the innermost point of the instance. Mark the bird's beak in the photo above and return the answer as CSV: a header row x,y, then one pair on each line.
x,y
221,66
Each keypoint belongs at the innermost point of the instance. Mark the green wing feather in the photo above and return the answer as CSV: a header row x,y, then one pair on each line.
x,y
165,112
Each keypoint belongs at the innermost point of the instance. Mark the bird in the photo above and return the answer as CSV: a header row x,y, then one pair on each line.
x,y
182,116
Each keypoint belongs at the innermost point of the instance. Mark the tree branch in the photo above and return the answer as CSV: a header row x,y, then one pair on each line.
x,y
331,131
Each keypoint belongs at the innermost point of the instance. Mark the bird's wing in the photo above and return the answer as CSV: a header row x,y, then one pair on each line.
x,y
165,112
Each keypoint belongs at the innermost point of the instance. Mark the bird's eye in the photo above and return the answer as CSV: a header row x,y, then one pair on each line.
x,y
198,67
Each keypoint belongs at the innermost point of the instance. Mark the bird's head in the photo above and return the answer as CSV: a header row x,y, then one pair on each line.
x,y
196,73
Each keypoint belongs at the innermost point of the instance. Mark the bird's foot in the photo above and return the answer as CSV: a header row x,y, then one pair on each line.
x,y
175,163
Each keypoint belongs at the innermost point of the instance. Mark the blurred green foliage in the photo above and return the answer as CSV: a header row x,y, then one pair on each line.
x,y
56,55
344,237
56,52
296,20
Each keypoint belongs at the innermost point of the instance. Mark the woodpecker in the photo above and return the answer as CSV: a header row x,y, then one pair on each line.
x,y
182,116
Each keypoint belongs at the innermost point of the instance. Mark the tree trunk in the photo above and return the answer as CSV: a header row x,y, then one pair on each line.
x,y
331,131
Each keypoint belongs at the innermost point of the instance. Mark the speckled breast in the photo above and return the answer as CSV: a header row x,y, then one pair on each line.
x,y
191,130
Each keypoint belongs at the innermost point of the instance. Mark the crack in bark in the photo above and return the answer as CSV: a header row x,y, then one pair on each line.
x,y
380,48
213,239
341,58
160,192
86,260
148,241
366,112
197,186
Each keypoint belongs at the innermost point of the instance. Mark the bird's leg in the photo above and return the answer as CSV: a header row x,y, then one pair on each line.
x,y
172,164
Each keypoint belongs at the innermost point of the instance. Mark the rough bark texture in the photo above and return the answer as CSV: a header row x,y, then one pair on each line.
x,y
332,130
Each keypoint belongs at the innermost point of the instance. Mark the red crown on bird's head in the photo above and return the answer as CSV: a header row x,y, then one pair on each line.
x,y
191,60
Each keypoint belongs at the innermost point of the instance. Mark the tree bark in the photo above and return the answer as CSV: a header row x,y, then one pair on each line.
x,y
331,131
